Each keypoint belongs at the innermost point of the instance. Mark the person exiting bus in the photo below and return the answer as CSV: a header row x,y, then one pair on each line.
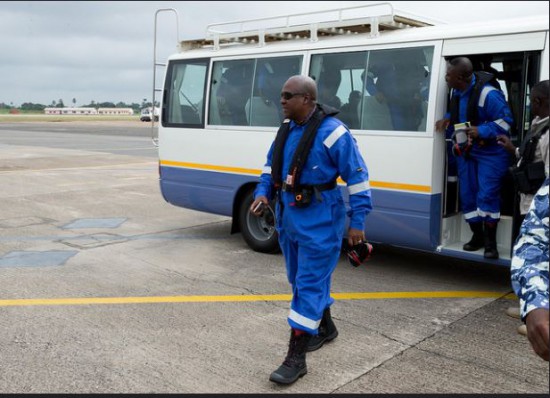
x,y
482,162
311,150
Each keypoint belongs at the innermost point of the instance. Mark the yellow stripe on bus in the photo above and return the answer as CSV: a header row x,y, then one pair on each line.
x,y
209,167
226,169
243,298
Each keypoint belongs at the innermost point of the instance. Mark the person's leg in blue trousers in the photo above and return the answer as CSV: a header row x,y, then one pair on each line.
x,y
492,167
311,256
468,187
310,239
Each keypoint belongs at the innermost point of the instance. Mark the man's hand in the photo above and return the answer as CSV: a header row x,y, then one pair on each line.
x,y
472,132
441,125
257,207
355,236
538,332
505,141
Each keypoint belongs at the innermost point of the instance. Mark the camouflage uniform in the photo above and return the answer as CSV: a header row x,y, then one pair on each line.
x,y
529,268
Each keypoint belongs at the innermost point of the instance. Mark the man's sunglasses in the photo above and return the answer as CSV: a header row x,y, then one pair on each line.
x,y
286,95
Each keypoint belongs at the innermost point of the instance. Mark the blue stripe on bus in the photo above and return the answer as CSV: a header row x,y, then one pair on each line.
x,y
415,226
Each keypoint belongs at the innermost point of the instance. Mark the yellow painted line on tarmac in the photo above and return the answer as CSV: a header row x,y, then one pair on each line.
x,y
241,298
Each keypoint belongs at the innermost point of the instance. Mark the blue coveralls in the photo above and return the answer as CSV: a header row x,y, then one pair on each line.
x,y
480,174
311,237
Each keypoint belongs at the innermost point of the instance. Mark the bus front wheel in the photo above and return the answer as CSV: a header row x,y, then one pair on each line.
x,y
258,232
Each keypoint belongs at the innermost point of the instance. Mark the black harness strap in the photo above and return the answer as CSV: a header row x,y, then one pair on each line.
x,y
302,151
277,159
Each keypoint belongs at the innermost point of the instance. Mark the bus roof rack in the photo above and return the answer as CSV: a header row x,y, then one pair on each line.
x,y
371,19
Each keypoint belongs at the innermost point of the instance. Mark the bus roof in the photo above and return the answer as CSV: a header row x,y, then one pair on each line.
x,y
343,27
371,19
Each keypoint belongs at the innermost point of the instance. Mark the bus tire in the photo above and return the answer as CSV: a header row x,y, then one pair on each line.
x,y
258,232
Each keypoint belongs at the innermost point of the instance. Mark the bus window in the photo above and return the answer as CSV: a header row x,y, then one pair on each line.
x,y
339,83
398,85
231,91
186,86
246,92
271,75
392,96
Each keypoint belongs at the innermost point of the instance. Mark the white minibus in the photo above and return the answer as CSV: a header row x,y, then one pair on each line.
x,y
220,112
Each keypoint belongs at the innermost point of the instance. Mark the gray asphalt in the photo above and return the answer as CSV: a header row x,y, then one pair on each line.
x,y
106,288
124,138
130,128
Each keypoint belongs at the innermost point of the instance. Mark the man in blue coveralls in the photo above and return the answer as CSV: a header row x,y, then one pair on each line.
x,y
482,163
311,150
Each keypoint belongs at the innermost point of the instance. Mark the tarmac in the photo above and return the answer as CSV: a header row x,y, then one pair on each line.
x,y
106,288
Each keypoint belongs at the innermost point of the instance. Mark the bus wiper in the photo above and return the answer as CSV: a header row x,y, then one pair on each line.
x,y
190,103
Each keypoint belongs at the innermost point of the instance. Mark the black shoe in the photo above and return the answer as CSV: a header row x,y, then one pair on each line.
x,y
294,365
490,234
286,374
491,253
473,245
478,239
327,332
317,342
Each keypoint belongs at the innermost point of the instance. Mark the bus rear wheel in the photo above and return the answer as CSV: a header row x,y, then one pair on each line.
x,y
258,232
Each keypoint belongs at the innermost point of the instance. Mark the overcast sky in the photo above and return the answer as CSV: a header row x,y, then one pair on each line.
x,y
103,50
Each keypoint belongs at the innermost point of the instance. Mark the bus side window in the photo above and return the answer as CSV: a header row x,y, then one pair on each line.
x,y
376,114
393,94
186,92
328,85
349,113
271,75
231,92
399,81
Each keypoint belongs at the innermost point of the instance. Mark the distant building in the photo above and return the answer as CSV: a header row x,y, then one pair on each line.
x,y
115,111
70,111
89,111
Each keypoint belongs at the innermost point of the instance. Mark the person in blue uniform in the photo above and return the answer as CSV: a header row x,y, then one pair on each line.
x,y
482,163
310,212
529,272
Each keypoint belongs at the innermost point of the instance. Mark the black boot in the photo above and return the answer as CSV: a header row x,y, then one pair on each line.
x,y
294,365
327,332
490,234
477,241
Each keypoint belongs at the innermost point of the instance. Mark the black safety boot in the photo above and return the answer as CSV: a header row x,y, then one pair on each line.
x,y
490,234
477,241
294,365
327,331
